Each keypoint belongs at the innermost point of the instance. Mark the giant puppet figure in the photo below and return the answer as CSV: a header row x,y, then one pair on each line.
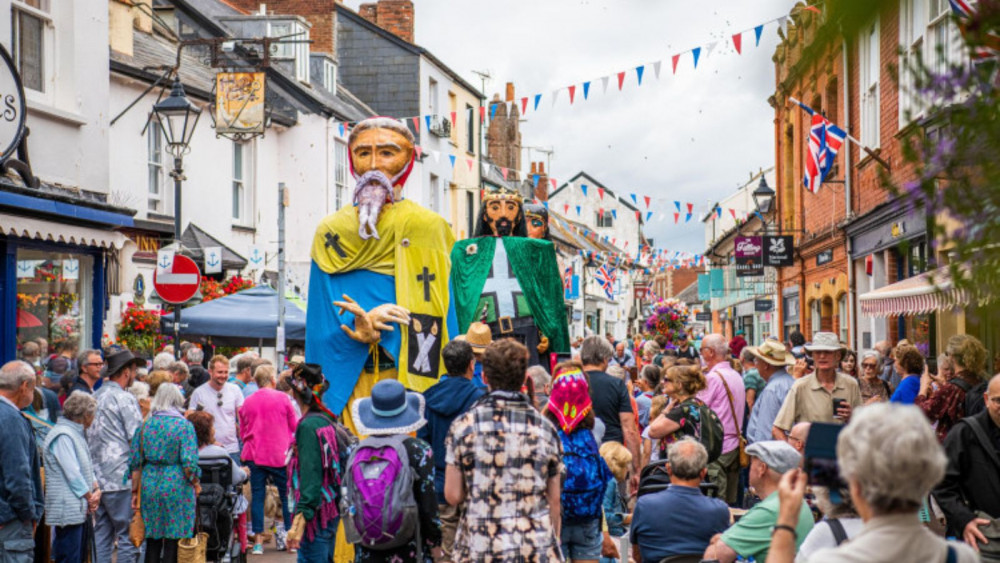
x,y
378,290
509,281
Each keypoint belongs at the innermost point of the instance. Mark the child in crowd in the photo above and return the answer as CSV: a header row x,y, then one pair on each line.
x,y
587,474
651,446
616,514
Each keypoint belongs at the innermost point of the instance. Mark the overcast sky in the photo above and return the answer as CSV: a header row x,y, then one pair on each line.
x,y
693,137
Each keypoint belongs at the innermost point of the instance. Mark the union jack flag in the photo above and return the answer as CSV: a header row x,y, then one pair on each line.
x,y
965,13
825,139
606,275
568,278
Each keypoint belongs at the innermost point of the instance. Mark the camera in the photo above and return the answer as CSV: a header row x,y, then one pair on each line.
x,y
821,458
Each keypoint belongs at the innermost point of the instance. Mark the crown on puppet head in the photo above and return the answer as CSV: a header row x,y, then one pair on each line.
x,y
502,194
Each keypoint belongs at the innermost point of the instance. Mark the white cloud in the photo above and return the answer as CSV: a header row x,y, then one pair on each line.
x,y
693,137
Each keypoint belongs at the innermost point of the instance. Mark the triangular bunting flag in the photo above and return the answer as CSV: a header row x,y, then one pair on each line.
x,y
718,212
689,215
485,168
524,106
577,210
451,157
690,208
614,213
534,179
555,94
673,61
566,208
604,84
633,199
697,53
504,172
656,69
600,193
342,129
757,31
638,73
783,24
621,80
677,204
436,155
648,200
583,188
538,98
427,120
453,120
572,93
493,111
482,114
709,48
649,215
738,42
418,150
677,218
470,162
638,216
586,89
554,184
416,125
732,212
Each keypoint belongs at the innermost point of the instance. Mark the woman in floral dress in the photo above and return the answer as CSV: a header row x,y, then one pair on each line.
x,y
165,453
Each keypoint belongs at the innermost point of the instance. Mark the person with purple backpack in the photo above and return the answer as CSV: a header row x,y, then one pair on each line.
x,y
314,474
389,504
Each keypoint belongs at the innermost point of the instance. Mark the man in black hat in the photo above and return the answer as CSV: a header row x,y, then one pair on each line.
x,y
110,439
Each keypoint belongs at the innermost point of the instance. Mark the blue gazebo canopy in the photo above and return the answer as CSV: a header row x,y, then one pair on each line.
x,y
246,318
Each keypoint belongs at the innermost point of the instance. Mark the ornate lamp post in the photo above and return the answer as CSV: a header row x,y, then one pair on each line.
x,y
177,118
763,198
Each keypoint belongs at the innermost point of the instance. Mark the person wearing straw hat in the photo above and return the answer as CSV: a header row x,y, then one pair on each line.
x,y
392,411
771,360
812,398
479,337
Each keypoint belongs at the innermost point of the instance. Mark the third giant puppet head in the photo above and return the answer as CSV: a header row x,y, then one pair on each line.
x,y
381,154
501,215
537,218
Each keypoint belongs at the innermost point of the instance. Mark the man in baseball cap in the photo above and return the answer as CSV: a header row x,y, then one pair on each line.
x,y
751,535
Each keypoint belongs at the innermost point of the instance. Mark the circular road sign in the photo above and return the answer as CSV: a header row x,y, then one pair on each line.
x,y
181,284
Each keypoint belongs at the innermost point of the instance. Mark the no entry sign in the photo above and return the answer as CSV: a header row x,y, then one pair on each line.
x,y
181,283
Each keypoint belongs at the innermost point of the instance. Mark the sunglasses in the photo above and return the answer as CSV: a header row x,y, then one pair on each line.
x,y
219,404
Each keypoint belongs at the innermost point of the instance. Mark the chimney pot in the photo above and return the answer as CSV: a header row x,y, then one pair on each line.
x,y
510,92
533,168
541,168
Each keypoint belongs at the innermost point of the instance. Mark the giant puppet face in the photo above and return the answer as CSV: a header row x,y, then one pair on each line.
x,y
501,215
537,218
381,154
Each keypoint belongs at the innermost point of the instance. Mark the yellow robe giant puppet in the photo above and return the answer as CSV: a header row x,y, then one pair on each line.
x,y
379,304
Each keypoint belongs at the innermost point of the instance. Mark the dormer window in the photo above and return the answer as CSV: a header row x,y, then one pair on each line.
x,y
294,46
330,76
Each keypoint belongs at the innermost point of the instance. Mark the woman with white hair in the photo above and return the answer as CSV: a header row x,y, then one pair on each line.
x,y
873,388
165,455
890,459
71,489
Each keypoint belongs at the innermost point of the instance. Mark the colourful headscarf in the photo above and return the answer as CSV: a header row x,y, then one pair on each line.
x,y
570,399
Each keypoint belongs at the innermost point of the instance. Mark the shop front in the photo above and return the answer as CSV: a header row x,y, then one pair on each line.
x,y
889,247
54,277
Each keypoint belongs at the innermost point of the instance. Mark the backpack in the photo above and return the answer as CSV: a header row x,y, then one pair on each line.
x,y
377,502
587,476
215,505
709,430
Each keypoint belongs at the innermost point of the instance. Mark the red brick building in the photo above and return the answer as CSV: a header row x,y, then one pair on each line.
x,y
851,236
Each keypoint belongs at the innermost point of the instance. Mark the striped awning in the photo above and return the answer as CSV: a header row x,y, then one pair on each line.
x,y
921,294
39,229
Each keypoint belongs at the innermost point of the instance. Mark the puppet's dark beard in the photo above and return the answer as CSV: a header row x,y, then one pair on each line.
x,y
504,227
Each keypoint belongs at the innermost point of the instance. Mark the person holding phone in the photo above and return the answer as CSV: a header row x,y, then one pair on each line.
x,y
812,398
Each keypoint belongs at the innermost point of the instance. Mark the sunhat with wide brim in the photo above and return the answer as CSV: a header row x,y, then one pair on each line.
x,y
391,409
121,360
478,336
773,353
824,342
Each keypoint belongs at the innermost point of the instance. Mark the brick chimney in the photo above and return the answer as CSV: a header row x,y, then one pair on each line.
x,y
503,136
542,187
395,16
321,15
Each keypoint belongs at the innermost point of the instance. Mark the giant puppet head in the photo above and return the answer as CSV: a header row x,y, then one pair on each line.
x,y
381,155
537,219
501,215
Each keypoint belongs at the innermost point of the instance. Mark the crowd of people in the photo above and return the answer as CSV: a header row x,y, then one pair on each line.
x,y
633,450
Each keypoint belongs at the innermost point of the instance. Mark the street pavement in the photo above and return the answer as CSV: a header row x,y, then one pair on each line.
x,y
271,555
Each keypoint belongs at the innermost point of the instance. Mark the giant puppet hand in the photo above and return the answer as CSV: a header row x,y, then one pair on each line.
x,y
368,326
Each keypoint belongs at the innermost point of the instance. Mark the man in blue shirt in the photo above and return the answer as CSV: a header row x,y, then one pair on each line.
x,y
771,360
678,520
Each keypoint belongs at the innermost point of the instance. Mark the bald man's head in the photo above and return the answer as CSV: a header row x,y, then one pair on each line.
x,y
798,436
992,398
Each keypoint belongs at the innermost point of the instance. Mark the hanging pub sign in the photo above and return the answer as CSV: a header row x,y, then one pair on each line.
x,y
749,255
824,257
239,103
703,316
11,107
778,251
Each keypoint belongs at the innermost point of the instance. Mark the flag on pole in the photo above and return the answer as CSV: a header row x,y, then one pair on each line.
x,y
605,276
825,139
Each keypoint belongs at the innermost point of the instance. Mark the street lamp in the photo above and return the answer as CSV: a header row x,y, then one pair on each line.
x,y
763,197
177,118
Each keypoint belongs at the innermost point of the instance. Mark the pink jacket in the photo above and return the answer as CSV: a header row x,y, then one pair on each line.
x,y
267,427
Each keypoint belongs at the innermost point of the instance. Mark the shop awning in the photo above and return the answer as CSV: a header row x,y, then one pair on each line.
x,y
13,225
195,240
921,294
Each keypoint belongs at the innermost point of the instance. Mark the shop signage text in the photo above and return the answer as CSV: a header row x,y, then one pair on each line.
x,y
11,107
239,102
706,316
763,305
778,251
824,257
749,255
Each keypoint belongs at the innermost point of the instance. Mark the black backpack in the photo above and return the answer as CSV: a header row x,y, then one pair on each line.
x,y
215,506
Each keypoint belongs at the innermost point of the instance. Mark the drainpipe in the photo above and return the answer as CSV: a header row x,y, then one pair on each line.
x,y
852,323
